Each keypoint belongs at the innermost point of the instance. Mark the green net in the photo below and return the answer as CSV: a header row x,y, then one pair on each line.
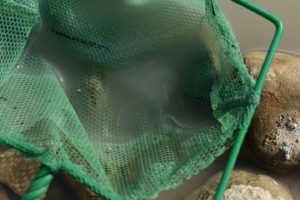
x,y
130,97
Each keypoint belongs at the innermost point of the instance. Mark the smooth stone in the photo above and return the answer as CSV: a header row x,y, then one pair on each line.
x,y
16,172
274,135
243,186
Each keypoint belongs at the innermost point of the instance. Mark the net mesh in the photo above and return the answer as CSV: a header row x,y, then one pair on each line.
x,y
133,97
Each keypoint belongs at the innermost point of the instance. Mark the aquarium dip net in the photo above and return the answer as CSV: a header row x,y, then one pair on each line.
x,y
157,95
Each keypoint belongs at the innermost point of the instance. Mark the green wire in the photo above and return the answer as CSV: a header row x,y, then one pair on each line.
x,y
258,88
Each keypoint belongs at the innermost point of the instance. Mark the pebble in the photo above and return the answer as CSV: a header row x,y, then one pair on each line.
x,y
277,114
243,185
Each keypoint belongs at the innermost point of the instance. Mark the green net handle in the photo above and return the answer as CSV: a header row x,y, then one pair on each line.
x,y
258,88
40,184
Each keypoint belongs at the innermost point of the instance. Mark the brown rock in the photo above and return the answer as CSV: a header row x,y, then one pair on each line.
x,y
243,186
274,134
16,172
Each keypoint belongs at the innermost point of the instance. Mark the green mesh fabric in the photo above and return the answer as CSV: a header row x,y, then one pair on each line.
x,y
16,22
133,97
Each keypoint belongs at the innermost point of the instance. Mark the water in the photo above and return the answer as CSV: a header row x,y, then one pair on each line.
x,y
255,33
245,162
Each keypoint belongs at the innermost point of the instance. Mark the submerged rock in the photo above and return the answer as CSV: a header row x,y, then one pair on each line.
x,y
243,186
274,135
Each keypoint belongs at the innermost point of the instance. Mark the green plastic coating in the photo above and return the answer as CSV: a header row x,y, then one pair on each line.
x,y
258,88
40,184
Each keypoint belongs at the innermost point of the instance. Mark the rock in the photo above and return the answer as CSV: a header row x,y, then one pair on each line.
x,y
274,135
243,186
16,172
